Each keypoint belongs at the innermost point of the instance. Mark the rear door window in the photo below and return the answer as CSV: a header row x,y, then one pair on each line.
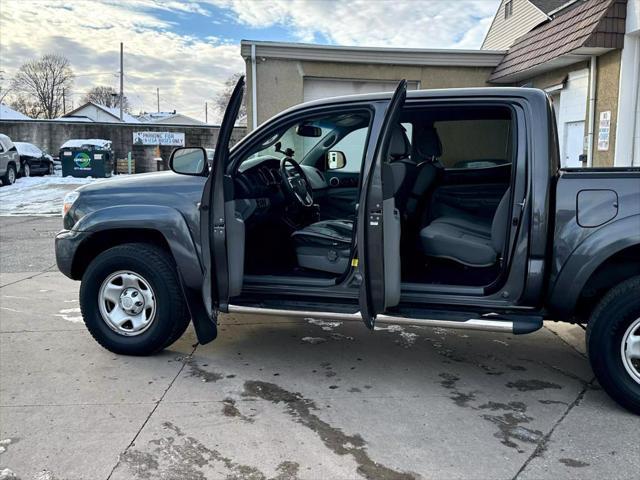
x,y
474,143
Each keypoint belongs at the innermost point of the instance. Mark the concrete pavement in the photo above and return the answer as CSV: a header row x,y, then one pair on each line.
x,y
260,402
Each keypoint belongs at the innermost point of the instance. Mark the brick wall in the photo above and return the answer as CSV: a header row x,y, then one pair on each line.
x,y
49,135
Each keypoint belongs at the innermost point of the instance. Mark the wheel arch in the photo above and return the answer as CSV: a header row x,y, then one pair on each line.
x,y
159,225
596,265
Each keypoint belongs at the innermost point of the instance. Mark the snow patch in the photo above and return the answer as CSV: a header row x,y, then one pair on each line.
x,y
314,340
30,149
4,444
407,338
44,475
38,195
98,143
326,326
67,314
7,113
7,474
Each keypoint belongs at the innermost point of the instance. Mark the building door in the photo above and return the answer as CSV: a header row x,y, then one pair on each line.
x,y
573,145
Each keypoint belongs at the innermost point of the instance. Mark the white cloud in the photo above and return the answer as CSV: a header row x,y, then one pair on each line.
x,y
187,70
382,23
190,70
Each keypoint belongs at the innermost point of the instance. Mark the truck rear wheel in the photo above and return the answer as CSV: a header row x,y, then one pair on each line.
x,y
613,343
131,300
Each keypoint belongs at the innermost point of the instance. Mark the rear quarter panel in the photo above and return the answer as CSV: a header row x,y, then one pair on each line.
x,y
612,198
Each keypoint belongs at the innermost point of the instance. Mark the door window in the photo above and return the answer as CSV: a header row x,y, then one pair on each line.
x,y
474,143
353,146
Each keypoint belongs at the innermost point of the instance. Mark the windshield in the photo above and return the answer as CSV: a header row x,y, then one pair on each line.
x,y
306,136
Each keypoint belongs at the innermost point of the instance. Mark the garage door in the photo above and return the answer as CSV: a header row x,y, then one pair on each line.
x,y
317,88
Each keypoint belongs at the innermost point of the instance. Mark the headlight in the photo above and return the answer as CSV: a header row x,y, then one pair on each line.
x,y
69,200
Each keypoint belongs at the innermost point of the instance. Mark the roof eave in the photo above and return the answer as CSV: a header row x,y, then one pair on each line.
x,y
576,56
394,56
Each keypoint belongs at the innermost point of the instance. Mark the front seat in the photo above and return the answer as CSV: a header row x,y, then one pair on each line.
x,y
426,149
467,242
326,245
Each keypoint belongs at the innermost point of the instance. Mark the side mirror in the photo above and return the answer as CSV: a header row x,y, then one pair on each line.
x,y
189,161
336,160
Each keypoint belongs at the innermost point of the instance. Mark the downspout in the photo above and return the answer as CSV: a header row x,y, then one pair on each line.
x,y
592,110
254,89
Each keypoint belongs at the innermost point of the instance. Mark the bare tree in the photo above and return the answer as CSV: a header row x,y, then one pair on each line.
x,y
223,98
43,82
107,96
20,103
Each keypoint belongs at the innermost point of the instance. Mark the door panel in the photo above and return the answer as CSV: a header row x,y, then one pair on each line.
x,y
378,224
221,229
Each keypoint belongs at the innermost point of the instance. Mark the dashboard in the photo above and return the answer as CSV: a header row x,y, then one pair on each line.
x,y
258,187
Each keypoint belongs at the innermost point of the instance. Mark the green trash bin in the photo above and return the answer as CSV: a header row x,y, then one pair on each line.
x,y
86,158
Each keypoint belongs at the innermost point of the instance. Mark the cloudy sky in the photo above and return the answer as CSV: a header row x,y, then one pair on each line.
x,y
188,48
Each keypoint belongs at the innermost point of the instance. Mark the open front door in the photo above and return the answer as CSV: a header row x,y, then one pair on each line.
x,y
221,229
378,233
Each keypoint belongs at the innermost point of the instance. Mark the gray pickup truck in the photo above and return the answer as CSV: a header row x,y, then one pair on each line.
x,y
442,208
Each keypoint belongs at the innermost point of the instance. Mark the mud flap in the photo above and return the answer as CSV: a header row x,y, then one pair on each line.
x,y
206,328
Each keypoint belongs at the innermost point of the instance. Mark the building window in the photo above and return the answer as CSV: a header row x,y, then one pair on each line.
x,y
508,9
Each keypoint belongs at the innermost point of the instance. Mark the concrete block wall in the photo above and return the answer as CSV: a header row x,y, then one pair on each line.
x,y
50,135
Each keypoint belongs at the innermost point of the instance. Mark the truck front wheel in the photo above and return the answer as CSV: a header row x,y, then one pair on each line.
x,y
131,300
613,343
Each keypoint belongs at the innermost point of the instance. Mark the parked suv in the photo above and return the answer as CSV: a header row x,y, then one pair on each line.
x,y
9,160
442,208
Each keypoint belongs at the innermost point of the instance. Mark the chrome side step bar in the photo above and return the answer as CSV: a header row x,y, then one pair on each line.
x,y
296,313
471,324
512,325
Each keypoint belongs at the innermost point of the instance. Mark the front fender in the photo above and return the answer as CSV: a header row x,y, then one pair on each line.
x,y
592,252
166,220
173,227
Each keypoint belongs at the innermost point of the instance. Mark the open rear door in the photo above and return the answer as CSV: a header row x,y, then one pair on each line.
x,y
378,233
221,229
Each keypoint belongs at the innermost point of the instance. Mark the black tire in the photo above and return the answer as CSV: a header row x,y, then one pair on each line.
x,y
158,268
612,317
26,170
10,175
50,169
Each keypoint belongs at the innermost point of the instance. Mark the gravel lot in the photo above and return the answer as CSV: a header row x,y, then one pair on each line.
x,y
260,402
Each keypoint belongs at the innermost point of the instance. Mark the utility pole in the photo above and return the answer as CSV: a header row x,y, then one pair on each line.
x,y
121,78
158,97
206,112
64,102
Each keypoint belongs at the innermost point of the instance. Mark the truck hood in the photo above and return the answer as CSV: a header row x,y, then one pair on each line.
x,y
141,181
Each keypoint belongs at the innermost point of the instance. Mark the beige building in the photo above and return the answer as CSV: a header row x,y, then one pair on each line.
x,y
584,53
280,75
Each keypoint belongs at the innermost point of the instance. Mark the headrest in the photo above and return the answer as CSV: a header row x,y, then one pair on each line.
x,y
426,143
399,144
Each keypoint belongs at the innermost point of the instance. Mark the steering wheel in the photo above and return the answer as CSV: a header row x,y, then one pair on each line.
x,y
296,182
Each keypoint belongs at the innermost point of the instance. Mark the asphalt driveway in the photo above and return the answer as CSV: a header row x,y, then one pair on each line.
x,y
280,398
